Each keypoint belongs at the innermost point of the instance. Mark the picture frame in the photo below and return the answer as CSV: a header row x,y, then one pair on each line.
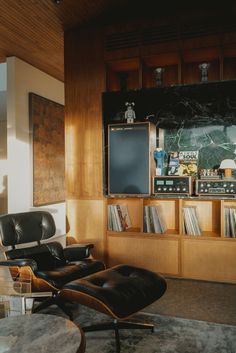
x,y
48,150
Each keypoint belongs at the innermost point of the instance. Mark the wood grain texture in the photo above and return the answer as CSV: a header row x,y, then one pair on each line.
x,y
32,30
84,74
209,259
47,119
86,223
84,84
157,254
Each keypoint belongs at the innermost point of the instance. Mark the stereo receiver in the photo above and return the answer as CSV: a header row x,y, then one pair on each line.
x,y
181,185
216,187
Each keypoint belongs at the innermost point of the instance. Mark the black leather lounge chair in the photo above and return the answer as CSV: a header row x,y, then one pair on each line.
x,y
50,266
72,275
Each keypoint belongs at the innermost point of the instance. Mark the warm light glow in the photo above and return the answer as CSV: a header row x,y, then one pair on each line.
x,y
228,165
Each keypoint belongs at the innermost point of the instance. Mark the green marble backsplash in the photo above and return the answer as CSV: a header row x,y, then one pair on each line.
x,y
214,143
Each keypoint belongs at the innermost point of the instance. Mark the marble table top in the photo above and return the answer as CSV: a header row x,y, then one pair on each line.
x,y
40,333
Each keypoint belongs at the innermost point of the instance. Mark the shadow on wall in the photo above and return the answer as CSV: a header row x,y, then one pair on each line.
x,y
3,194
3,154
70,240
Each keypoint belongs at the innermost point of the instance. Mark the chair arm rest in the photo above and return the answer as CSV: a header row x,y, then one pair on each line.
x,y
19,263
77,252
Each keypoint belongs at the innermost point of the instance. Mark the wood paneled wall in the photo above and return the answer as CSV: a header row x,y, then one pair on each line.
x,y
84,83
85,61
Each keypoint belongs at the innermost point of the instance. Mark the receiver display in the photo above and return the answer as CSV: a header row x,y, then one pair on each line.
x,y
182,185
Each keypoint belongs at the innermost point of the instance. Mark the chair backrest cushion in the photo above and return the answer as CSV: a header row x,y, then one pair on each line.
x,y
26,227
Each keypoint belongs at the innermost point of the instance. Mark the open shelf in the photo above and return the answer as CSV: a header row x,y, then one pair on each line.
x,y
180,66
123,75
169,209
210,256
169,62
208,215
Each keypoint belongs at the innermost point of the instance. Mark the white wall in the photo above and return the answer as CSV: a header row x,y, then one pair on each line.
x,y
23,78
3,139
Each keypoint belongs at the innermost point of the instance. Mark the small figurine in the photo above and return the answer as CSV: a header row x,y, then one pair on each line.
x,y
130,113
158,72
204,71
160,157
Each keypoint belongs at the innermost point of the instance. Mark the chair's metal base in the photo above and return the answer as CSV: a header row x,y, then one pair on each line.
x,y
54,300
116,326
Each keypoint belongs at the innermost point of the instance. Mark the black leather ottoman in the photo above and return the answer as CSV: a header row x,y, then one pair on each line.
x,y
119,292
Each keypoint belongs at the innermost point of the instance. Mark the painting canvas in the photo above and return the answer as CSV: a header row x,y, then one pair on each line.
x,y
48,143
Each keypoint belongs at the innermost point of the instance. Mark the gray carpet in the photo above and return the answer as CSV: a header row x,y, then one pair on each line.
x,y
198,300
192,317
171,335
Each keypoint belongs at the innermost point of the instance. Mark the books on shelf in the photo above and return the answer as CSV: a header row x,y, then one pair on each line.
x,y
191,223
230,222
154,221
118,218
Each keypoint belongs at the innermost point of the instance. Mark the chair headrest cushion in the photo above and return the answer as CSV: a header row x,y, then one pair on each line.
x,y
26,227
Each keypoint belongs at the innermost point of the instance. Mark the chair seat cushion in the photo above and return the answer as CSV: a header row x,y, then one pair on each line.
x,y
59,276
123,290
47,256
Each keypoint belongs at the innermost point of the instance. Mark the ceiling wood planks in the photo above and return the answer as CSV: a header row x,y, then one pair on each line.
x,y
33,30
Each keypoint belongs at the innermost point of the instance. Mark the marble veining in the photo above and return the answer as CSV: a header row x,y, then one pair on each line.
x,y
190,117
38,333
214,143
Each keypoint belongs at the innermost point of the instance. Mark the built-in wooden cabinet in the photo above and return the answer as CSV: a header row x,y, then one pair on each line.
x,y
126,57
210,256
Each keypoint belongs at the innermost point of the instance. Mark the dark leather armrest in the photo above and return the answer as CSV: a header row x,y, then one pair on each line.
x,y
77,252
20,263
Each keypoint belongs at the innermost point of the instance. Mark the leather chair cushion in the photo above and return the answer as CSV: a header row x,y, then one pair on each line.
x,y
47,256
59,276
123,289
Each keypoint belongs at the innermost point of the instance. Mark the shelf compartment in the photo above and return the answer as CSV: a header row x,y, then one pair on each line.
x,y
169,62
134,206
191,60
123,75
229,69
208,214
170,212
228,224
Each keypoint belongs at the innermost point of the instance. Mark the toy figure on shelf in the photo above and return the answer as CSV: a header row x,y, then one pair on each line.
x,y
160,157
204,67
159,75
130,113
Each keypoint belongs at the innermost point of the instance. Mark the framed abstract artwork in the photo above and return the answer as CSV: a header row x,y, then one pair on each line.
x,y
48,150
